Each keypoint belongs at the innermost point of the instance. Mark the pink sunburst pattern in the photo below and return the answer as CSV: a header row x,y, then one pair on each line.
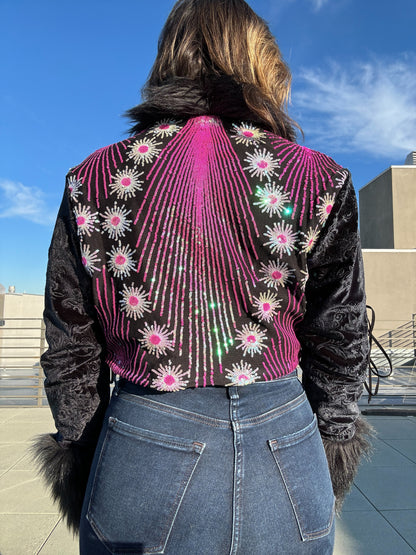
x,y
282,238
310,238
165,128
242,374
266,305
248,135
74,187
86,220
121,261
143,151
324,207
251,339
125,183
276,274
169,378
156,339
272,199
261,164
116,222
90,259
134,301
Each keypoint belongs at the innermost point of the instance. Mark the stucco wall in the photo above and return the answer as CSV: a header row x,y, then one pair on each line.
x,y
390,277
376,213
404,206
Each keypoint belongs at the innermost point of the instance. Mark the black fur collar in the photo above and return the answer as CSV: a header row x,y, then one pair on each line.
x,y
182,97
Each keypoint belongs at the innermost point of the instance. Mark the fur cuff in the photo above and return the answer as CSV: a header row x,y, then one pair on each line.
x,y
344,459
65,468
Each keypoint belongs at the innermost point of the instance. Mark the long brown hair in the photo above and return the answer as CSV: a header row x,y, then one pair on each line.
x,y
203,40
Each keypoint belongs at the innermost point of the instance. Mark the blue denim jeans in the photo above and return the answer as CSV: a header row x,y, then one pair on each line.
x,y
209,471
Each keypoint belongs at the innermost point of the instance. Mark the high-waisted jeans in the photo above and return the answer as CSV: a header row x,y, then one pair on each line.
x,y
209,471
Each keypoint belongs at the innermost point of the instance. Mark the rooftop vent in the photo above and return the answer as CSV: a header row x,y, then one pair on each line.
x,y
411,159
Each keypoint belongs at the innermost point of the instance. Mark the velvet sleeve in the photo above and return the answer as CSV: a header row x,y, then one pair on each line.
x,y
77,380
334,340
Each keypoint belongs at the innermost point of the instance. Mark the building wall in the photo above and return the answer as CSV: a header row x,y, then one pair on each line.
x,y
22,340
404,206
376,213
390,278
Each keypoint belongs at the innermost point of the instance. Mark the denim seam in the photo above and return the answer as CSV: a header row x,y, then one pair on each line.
x,y
210,421
238,471
181,413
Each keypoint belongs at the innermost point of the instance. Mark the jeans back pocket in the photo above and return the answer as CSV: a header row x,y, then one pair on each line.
x,y
141,479
301,461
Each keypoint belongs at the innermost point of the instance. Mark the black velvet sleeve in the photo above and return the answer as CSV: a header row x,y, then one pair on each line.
x,y
334,339
77,380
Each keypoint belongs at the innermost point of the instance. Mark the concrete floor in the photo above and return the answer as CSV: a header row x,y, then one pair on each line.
x,y
379,516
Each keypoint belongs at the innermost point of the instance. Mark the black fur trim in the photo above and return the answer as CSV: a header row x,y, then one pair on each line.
x,y
344,459
65,467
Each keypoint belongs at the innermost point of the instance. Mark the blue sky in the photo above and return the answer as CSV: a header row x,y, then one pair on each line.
x,y
69,70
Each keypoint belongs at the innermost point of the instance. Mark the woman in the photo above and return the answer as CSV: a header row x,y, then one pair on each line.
x,y
201,261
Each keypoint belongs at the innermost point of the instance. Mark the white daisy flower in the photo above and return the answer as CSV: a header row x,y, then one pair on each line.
x,y
261,164
85,220
251,339
266,306
282,238
272,199
343,174
134,301
247,134
156,339
74,186
169,378
90,259
242,374
121,261
311,237
165,128
125,183
116,222
276,274
325,207
144,150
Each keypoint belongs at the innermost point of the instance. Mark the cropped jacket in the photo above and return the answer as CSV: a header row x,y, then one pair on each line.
x,y
204,251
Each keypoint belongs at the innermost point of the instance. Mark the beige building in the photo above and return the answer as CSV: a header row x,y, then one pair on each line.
x,y
388,237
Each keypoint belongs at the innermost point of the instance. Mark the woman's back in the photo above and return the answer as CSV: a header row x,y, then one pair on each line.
x,y
197,234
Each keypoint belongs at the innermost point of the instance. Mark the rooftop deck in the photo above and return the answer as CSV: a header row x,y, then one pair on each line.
x,y
378,517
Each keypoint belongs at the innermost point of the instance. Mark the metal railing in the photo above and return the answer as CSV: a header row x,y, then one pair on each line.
x,y
399,344
22,342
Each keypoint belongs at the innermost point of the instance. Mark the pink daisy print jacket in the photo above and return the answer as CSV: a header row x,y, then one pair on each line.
x,y
205,252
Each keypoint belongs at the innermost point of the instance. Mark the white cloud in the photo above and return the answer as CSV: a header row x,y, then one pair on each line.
x,y
318,4
367,107
19,201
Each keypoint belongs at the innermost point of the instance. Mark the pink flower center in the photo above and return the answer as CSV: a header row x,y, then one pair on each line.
x,y
310,242
272,199
126,181
143,149
262,164
115,220
251,339
282,238
70,189
80,220
169,380
276,274
120,260
242,378
154,339
329,208
248,133
164,126
84,261
133,301
266,307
